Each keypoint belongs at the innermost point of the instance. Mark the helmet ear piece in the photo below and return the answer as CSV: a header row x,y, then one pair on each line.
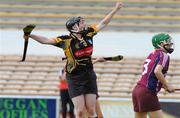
x,y
161,43
75,28
69,25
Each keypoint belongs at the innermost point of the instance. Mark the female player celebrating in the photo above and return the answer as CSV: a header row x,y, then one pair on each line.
x,y
78,48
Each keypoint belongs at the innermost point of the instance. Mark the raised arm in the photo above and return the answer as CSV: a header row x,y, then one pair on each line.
x,y
41,39
108,17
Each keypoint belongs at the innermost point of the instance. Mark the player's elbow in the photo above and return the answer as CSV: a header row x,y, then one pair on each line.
x,y
44,42
157,72
47,41
106,22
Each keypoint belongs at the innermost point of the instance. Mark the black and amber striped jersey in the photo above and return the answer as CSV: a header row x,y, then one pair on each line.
x,y
77,51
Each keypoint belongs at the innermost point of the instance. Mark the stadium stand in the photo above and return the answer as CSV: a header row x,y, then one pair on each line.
x,y
138,15
38,75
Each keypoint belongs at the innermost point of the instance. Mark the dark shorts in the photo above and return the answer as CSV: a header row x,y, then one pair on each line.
x,y
82,83
144,100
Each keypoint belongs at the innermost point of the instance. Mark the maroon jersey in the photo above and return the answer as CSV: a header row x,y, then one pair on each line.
x,y
148,78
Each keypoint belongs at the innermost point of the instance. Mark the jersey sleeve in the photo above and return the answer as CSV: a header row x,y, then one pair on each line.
x,y
92,30
60,41
57,39
164,58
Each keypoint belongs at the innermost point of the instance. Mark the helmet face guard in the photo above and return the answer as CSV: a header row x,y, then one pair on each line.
x,y
71,22
169,46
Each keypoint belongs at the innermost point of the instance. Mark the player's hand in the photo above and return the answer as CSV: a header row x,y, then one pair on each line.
x,y
27,30
101,59
170,89
119,5
26,37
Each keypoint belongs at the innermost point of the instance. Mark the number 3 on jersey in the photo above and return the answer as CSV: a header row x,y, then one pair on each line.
x,y
147,61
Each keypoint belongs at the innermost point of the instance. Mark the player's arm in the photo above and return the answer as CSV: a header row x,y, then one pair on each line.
x,y
63,77
161,78
108,17
101,59
41,39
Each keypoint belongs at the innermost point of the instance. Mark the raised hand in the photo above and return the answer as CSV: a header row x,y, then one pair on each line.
x,y
119,5
27,30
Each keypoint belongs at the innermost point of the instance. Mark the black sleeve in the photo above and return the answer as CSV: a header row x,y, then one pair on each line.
x,y
60,41
92,30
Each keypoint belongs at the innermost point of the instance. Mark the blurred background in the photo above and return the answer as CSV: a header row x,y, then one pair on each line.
x,y
129,34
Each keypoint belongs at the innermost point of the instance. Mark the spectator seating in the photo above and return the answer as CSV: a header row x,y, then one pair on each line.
x,y
137,15
38,75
